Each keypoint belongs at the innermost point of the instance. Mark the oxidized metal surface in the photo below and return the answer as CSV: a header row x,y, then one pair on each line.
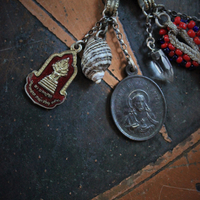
x,y
146,4
138,107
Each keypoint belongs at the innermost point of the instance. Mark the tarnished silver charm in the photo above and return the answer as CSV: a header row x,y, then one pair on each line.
x,y
96,58
161,66
138,107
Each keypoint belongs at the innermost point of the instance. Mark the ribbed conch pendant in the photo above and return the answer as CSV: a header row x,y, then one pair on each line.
x,y
96,58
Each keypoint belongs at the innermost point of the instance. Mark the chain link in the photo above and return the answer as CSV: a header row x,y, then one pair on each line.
x,y
150,41
153,12
161,8
94,30
101,28
119,36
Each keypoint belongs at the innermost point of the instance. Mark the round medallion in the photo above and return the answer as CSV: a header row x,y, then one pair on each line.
x,y
138,107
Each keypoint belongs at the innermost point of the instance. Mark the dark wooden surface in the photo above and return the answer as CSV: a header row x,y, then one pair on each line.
x,y
75,151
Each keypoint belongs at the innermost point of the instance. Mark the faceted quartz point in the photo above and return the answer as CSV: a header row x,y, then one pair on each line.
x,y
161,66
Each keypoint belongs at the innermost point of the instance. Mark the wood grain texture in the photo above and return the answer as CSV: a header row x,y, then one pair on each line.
x,y
177,181
47,21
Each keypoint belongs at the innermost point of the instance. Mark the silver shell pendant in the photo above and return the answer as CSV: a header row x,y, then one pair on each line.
x,y
96,58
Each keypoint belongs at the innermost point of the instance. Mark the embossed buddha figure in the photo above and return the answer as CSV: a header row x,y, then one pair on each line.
x,y
140,117
60,69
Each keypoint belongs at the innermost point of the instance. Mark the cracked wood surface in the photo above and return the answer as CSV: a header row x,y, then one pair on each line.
x,y
178,180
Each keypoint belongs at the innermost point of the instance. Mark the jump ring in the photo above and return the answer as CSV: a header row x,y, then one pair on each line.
x,y
159,17
75,48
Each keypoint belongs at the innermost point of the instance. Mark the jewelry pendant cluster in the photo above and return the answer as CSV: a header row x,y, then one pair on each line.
x,y
179,39
137,104
47,87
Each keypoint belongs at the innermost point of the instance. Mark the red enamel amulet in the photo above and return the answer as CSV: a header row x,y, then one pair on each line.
x,y
47,87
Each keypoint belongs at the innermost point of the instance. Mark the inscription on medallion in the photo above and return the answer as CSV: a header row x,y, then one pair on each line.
x,y
43,92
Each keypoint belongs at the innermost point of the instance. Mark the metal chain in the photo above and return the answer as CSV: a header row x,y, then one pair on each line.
x,y
123,46
101,25
98,26
161,8
150,40
153,13
150,14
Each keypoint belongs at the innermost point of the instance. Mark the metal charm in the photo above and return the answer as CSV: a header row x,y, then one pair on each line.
x,y
137,104
47,87
138,107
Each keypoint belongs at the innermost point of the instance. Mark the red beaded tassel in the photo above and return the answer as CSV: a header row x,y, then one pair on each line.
x,y
175,54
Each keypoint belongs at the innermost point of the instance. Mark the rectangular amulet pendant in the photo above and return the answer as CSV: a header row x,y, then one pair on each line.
x,y
47,87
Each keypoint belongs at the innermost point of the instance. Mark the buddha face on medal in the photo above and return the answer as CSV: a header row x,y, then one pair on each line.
x,y
138,107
